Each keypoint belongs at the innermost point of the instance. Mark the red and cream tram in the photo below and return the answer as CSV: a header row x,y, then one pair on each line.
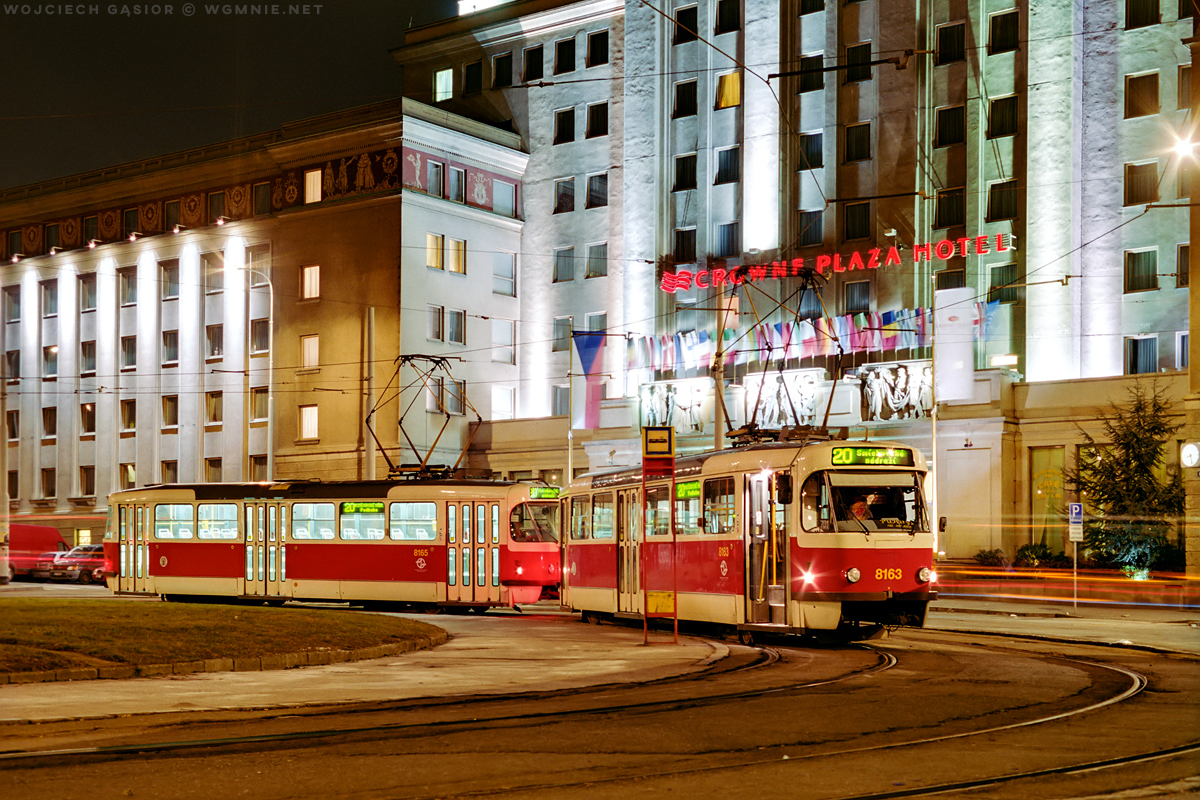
x,y
783,537
457,544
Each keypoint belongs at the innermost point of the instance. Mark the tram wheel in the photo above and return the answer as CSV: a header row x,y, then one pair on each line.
x,y
591,617
746,638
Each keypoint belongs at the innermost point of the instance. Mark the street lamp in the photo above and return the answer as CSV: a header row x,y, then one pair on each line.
x,y
250,271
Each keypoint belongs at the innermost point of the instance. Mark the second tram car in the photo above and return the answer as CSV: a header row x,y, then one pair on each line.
x,y
783,537
426,544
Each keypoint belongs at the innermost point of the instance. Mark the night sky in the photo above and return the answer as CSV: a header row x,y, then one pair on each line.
x,y
83,91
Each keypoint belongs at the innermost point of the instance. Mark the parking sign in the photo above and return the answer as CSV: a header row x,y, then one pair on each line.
x,y
1075,522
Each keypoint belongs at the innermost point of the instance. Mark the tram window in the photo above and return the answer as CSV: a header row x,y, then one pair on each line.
x,y
719,508
362,520
580,518
814,504
312,521
602,516
217,521
415,521
173,521
687,508
658,511
534,522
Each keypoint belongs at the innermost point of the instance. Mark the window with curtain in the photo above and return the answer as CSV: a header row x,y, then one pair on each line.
x,y
1141,270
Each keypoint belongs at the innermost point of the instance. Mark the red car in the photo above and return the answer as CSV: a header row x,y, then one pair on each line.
x,y
84,564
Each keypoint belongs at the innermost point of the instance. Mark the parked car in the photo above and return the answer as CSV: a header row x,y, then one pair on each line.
x,y
84,564
39,570
27,544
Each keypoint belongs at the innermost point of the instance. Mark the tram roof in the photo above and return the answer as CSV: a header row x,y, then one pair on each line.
x,y
290,489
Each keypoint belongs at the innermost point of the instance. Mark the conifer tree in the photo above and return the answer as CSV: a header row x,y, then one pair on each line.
x,y
1135,509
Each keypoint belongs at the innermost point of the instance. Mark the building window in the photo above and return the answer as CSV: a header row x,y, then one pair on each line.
x,y
49,292
857,63
456,185
260,335
729,164
1141,183
12,303
812,73
729,240
216,207
456,397
1140,13
597,48
564,126
560,401
1141,355
456,256
434,180
50,361
811,232
212,470
1004,32
504,274
169,278
443,85
472,78
564,264
261,199
308,422
729,90
170,347
729,16
310,351
597,260
1003,280
857,220
12,422
52,237
503,405
87,418
456,326
49,483
951,279
597,323
14,242
951,209
502,71
1002,117
214,341
170,471
214,408
129,222
87,481
564,56
564,196
434,323
597,192
91,229
1181,350
687,21
1182,265
1185,83
258,469
128,352
534,69
685,100
951,44
434,394
310,282
504,198
562,334
12,363
49,422
87,358
127,475
259,403
504,339
858,142
170,218
212,265
685,173
1187,8
951,126
1141,270
435,251
312,186
811,6
1002,201
14,484
128,415
858,297
1141,95
127,285
597,120
684,251
170,411
812,150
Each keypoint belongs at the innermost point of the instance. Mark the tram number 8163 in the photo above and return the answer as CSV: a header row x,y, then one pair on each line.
x,y
884,574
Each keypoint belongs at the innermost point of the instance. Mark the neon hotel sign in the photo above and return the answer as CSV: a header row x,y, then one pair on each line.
x,y
835,262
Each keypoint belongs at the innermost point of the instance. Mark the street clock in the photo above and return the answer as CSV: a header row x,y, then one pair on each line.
x,y
1189,454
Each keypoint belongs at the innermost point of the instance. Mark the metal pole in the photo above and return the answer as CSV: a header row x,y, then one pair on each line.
x,y
719,378
369,472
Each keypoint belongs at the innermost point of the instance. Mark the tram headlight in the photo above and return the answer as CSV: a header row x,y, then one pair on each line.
x,y
925,575
853,574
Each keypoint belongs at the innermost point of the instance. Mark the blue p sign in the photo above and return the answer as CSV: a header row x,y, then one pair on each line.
x,y
1075,513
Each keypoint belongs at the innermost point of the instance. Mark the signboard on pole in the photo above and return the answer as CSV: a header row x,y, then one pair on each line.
x,y
1075,522
658,451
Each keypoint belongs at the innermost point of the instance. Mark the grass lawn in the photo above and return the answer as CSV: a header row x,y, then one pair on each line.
x,y
45,634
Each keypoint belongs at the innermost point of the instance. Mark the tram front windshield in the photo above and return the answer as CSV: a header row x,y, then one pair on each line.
x,y
864,502
535,522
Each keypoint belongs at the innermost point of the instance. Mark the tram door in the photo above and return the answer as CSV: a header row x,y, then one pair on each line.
x,y
263,556
473,555
629,595
766,544
133,568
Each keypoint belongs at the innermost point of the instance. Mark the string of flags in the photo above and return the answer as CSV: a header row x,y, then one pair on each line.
x,y
869,332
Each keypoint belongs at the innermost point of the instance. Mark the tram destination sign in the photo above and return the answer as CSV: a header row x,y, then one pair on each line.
x,y
872,456
543,492
362,507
